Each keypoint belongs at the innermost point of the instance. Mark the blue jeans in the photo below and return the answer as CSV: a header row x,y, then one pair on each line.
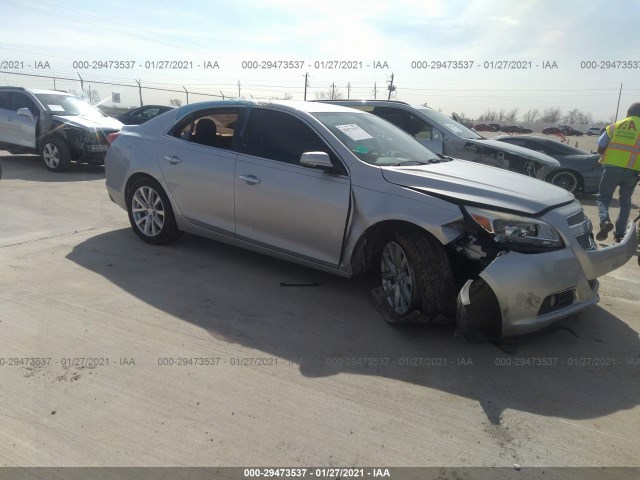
x,y
613,177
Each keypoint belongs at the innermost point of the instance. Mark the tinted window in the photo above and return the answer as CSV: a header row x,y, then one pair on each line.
x,y
280,136
20,100
5,100
516,141
414,126
212,128
149,112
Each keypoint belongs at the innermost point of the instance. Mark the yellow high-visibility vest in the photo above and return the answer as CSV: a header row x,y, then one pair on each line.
x,y
623,149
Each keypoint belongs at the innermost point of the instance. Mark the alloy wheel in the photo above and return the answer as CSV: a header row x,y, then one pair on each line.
x,y
148,211
397,278
51,156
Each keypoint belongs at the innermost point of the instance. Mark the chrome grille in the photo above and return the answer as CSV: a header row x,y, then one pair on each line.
x,y
581,229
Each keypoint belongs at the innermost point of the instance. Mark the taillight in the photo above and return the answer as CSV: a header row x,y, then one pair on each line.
x,y
111,137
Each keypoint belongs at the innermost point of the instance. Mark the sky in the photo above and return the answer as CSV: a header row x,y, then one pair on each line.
x,y
529,54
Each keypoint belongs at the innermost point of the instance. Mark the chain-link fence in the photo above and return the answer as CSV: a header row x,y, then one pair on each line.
x,y
109,95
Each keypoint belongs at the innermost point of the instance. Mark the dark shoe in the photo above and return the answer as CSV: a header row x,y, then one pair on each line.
x,y
605,228
617,238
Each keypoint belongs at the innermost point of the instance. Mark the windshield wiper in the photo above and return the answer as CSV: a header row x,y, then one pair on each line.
x,y
420,162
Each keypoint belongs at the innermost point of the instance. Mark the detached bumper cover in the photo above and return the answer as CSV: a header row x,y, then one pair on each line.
x,y
536,290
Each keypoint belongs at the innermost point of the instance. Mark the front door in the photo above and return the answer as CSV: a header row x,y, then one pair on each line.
x,y
280,203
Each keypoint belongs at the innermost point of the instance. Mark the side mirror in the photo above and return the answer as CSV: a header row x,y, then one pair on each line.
x,y
25,112
316,160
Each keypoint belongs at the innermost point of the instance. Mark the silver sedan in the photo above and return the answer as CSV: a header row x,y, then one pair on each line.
x,y
337,189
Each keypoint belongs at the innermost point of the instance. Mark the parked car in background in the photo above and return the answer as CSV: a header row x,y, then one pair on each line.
x,y
347,192
56,125
138,116
552,131
495,126
483,127
594,131
579,171
570,131
445,136
515,129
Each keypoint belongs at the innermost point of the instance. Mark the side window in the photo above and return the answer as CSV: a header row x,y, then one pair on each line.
x,y
150,112
212,128
407,121
20,100
5,100
520,143
536,146
280,136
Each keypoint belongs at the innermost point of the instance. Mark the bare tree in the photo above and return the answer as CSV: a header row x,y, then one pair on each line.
x,y
584,118
501,115
572,116
488,116
176,102
531,115
551,115
92,96
332,93
512,115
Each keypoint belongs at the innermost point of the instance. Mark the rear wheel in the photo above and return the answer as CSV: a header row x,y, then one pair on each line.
x,y
416,275
56,155
150,212
569,180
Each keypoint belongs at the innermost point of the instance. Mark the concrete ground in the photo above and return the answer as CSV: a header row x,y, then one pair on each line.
x,y
194,355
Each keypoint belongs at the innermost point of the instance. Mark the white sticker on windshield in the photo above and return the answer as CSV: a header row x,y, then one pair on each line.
x,y
354,132
56,108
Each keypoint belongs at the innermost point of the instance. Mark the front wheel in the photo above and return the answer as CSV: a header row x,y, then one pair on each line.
x,y
56,155
416,275
569,180
150,212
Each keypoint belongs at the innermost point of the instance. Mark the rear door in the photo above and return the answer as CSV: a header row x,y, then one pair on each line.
x,y
200,171
280,203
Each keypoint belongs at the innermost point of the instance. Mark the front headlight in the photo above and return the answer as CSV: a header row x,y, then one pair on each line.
x,y
515,230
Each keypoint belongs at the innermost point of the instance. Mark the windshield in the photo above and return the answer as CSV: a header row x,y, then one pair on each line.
x,y
374,140
67,105
450,124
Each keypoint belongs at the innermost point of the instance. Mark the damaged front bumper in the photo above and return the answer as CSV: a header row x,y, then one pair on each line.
x,y
520,293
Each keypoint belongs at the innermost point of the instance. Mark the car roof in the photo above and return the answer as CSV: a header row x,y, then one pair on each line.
x,y
36,90
291,105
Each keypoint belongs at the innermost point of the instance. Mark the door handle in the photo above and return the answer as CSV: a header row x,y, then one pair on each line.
x,y
250,179
173,160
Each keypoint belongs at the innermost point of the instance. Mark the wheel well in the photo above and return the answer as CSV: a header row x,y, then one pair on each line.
x,y
366,255
134,178
49,137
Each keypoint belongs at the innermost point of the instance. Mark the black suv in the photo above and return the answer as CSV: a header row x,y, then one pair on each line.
x,y
54,124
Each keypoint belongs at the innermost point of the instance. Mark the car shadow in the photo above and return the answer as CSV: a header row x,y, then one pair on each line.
x,y
31,168
584,369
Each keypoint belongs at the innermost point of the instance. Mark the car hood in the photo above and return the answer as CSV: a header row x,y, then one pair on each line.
x,y
90,123
516,150
470,183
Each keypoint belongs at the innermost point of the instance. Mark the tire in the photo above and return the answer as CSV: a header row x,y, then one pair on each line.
x,y
416,273
56,155
568,179
150,212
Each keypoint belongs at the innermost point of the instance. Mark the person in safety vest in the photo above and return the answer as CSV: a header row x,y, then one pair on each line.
x,y
619,146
